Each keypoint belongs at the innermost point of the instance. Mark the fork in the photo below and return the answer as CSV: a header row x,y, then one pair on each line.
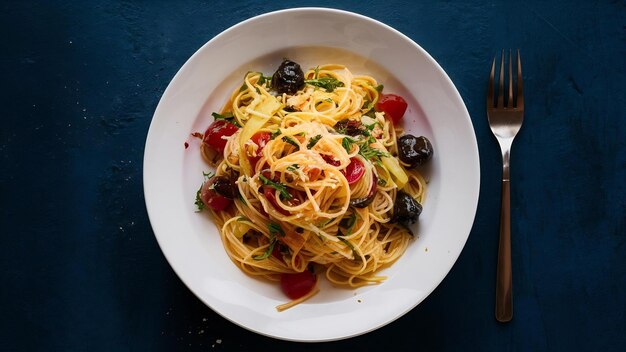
x,y
505,120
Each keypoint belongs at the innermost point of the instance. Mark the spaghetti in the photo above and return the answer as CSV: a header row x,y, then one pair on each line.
x,y
310,179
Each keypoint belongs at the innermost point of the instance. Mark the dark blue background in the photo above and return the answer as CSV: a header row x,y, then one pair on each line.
x,y
80,267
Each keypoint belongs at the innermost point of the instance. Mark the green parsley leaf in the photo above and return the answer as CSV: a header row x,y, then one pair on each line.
x,y
382,182
228,117
368,131
269,249
347,143
275,229
350,245
291,141
293,167
367,105
371,153
275,134
263,79
328,83
348,223
379,88
316,71
371,114
199,203
277,186
313,141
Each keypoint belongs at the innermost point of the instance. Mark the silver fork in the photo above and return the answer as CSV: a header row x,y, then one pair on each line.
x,y
505,121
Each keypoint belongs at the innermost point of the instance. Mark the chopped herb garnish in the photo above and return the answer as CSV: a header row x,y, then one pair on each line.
x,y
328,100
367,105
350,245
276,185
269,249
263,79
243,218
348,223
328,83
368,131
347,143
371,114
290,140
371,153
275,134
275,229
313,141
227,116
199,203
293,167
379,88
382,182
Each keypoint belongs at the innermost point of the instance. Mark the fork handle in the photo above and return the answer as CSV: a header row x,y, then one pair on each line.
x,y
504,278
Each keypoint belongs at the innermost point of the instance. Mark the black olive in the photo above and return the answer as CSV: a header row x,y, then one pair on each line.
x,y
414,151
289,78
234,176
349,127
406,210
223,186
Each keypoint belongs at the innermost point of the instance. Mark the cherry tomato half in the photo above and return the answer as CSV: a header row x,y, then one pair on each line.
x,y
330,160
354,171
212,199
394,106
215,132
298,284
260,139
270,194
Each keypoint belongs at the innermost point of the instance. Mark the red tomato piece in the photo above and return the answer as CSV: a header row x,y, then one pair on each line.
x,y
354,171
298,284
270,194
212,199
276,252
394,106
329,159
213,135
260,139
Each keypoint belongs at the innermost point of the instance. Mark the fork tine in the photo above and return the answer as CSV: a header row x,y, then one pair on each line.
x,y
490,87
501,85
509,102
520,84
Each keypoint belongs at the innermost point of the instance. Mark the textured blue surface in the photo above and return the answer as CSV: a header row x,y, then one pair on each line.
x,y
81,269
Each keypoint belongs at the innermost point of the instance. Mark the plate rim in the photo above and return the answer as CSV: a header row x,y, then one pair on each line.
x,y
416,46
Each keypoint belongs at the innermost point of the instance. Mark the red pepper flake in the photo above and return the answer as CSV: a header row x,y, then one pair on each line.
x,y
198,135
186,145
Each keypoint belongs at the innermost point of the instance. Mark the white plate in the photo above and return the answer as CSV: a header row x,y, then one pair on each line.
x,y
310,36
